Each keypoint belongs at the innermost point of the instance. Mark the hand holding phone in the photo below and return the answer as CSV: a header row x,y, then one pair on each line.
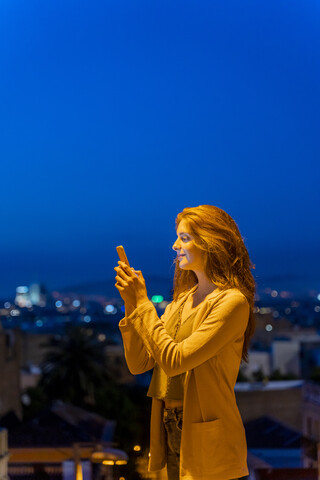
x,y
133,293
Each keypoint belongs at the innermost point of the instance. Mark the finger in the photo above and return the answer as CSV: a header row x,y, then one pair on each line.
x,y
126,271
119,285
121,281
121,273
125,267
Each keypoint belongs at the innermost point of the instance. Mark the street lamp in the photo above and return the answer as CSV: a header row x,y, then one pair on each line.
x,y
108,457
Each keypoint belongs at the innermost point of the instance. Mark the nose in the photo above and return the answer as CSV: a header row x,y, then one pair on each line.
x,y
175,246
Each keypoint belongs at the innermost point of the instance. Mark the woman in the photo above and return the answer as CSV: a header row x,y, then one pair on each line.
x,y
195,348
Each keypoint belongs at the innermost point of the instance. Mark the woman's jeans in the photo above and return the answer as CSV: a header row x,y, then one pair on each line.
x,y
172,419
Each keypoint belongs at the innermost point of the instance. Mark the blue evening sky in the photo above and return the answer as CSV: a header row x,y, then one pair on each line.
x,y
115,115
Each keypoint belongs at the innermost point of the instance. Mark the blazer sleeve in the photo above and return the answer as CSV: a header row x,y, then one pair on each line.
x,y
138,357
227,321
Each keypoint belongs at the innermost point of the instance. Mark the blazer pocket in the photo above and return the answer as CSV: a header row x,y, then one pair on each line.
x,y
210,446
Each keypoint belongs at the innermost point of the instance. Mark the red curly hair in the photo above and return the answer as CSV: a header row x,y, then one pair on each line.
x,y
227,262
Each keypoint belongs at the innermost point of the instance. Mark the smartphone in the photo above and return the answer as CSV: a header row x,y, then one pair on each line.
x,y
122,255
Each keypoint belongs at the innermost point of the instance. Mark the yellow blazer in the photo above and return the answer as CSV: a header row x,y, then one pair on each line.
x,y
213,443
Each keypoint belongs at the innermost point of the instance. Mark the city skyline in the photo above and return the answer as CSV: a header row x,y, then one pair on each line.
x,y
117,116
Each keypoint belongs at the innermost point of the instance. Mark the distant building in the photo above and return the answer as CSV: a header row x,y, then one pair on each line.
x,y
296,353
22,297
4,455
49,445
258,361
33,348
38,295
286,356
281,420
281,400
10,372
274,443
311,423
268,328
310,355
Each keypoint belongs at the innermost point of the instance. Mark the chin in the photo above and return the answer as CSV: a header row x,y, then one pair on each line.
x,y
185,267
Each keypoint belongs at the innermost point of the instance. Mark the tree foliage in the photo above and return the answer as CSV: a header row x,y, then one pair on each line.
x,y
75,368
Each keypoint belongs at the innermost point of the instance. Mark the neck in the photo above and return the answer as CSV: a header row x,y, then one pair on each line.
x,y
205,286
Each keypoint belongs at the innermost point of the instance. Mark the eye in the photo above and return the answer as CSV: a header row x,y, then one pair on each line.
x,y
184,238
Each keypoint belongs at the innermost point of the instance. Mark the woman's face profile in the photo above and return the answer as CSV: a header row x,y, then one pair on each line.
x,y
190,257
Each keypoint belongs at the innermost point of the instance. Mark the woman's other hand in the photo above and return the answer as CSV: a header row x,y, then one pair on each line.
x,y
131,286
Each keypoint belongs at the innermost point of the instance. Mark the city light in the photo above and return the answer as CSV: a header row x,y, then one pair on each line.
x,y
25,399
137,448
265,310
112,462
58,304
22,289
157,299
110,456
163,304
285,294
269,327
79,475
110,308
76,303
87,318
